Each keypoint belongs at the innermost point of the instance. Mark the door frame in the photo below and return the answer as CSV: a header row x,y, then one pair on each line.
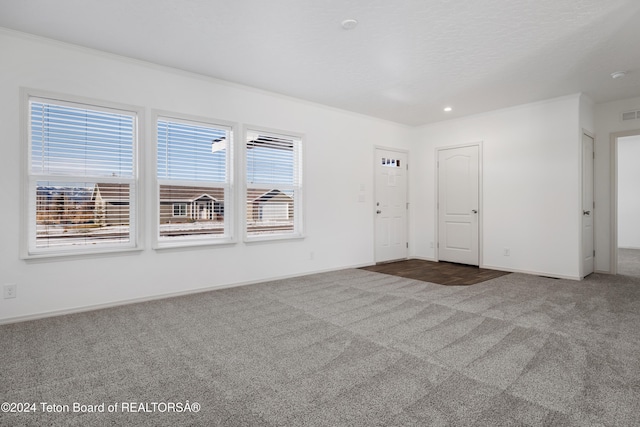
x,y
593,193
375,189
613,241
478,144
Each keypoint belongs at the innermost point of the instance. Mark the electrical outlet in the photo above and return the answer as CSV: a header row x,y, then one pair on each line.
x,y
506,252
10,290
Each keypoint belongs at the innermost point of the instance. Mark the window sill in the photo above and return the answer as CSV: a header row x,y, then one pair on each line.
x,y
274,238
64,256
185,245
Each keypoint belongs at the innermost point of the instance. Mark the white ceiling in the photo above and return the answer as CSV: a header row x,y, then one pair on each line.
x,y
405,61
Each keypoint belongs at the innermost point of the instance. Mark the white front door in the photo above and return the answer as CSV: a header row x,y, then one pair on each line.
x,y
390,205
458,205
587,205
204,210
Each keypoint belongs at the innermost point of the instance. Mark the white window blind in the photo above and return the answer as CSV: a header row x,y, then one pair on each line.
x,y
82,177
193,173
273,185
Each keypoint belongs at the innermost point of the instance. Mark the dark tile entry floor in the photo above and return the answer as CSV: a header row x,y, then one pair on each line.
x,y
442,273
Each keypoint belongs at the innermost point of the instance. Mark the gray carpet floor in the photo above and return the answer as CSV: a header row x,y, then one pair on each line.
x,y
346,348
629,262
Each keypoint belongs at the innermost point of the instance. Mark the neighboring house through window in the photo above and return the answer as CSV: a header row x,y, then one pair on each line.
x,y
273,185
82,177
194,184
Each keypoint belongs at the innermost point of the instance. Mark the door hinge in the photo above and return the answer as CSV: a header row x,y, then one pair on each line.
x,y
594,253
407,166
407,245
407,205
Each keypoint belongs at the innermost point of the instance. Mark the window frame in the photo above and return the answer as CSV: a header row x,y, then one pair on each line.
x,y
229,192
28,249
299,211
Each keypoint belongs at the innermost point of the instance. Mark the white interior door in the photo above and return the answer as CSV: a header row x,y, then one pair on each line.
x,y
587,206
458,205
390,205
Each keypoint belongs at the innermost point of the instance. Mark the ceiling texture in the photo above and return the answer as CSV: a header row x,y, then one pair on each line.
x,y
405,60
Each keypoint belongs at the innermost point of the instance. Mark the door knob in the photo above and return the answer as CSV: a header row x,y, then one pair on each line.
x,y
474,211
378,211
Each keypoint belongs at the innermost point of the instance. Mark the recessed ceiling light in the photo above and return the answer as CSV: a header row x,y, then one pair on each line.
x,y
349,24
618,74
447,109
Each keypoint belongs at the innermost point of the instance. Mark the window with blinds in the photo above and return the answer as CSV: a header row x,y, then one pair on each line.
x,y
193,173
82,177
273,185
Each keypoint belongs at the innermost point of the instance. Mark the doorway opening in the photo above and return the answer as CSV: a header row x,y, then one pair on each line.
x,y
626,205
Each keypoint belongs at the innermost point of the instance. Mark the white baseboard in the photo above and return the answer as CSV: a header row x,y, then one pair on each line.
x,y
512,270
530,272
42,315
55,313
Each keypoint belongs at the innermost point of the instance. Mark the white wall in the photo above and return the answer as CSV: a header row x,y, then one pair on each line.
x,y
629,192
608,122
531,185
587,115
339,159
